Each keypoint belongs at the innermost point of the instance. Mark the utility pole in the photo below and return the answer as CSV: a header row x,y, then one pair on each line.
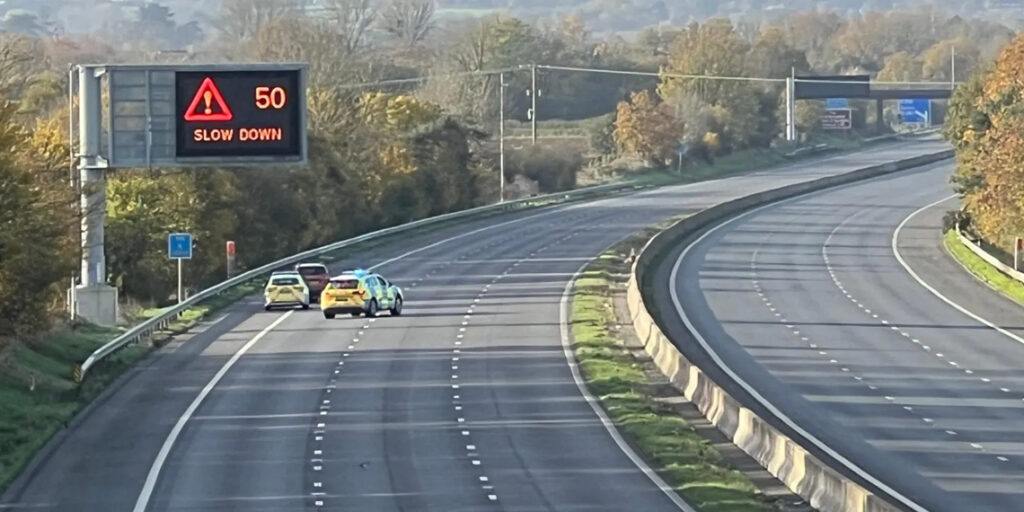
x,y
533,104
952,67
501,137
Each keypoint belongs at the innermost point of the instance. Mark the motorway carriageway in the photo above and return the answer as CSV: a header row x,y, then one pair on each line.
x,y
465,403
880,346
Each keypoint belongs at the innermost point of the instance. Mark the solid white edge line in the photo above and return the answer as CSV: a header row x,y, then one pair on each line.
x,y
609,426
165,449
943,298
818,443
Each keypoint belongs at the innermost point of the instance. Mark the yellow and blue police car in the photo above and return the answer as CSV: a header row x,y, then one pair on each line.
x,y
285,289
359,292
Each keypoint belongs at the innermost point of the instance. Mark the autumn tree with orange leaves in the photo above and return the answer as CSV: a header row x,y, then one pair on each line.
x,y
987,127
646,127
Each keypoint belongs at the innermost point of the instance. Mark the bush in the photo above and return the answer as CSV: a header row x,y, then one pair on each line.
x,y
953,218
553,169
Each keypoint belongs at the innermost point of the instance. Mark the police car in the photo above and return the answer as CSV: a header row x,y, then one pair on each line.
x,y
359,292
285,289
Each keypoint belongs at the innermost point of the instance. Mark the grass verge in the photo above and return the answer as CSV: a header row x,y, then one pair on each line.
x,y
982,270
688,462
38,396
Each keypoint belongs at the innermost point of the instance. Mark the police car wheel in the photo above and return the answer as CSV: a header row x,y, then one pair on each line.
x,y
305,306
266,308
372,311
356,314
396,310
329,316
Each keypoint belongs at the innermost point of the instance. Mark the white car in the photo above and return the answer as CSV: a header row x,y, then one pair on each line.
x,y
286,289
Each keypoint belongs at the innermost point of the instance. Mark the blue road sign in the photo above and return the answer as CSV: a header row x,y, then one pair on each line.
x,y
179,246
834,103
916,111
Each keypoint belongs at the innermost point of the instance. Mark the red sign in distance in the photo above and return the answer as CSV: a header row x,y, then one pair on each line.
x,y
230,247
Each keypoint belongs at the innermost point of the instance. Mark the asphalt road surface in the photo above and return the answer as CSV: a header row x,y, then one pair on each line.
x,y
807,301
466,402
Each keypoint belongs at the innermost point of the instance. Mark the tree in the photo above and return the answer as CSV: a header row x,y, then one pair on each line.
x,y
812,32
241,20
37,249
23,22
966,124
736,107
480,45
408,21
19,61
987,126
937,61
773,57
645,127
712,49
867,40
351,19
900,67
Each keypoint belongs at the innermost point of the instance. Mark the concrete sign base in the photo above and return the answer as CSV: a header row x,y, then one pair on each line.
x,y
97,304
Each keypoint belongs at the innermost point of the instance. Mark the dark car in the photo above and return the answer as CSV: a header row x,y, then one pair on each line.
x,y
316,277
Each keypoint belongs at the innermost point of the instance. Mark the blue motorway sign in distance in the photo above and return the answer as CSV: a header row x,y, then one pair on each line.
x,y
915,111
179,246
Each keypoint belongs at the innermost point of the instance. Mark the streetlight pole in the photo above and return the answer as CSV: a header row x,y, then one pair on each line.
x,y
501,137
533,104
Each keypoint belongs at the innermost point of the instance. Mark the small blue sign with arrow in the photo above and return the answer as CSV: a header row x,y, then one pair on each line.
x,y
179,246
916,111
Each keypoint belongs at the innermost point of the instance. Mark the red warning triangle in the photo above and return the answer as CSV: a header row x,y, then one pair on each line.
x,y
208,104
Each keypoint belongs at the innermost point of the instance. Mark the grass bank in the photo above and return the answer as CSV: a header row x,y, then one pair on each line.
x,y
982,270
690,463
38,396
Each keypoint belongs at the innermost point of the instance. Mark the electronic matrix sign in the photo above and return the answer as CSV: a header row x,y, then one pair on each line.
x,y
239,113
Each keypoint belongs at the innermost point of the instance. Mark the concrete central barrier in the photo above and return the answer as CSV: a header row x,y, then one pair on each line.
x,y
817,481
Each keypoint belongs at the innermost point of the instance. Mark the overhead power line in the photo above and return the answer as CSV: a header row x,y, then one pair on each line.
x,y
659,74
425,78
627,72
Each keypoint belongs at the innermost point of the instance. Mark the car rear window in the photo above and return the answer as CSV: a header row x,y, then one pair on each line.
x,y
284,281
312,271
345,284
